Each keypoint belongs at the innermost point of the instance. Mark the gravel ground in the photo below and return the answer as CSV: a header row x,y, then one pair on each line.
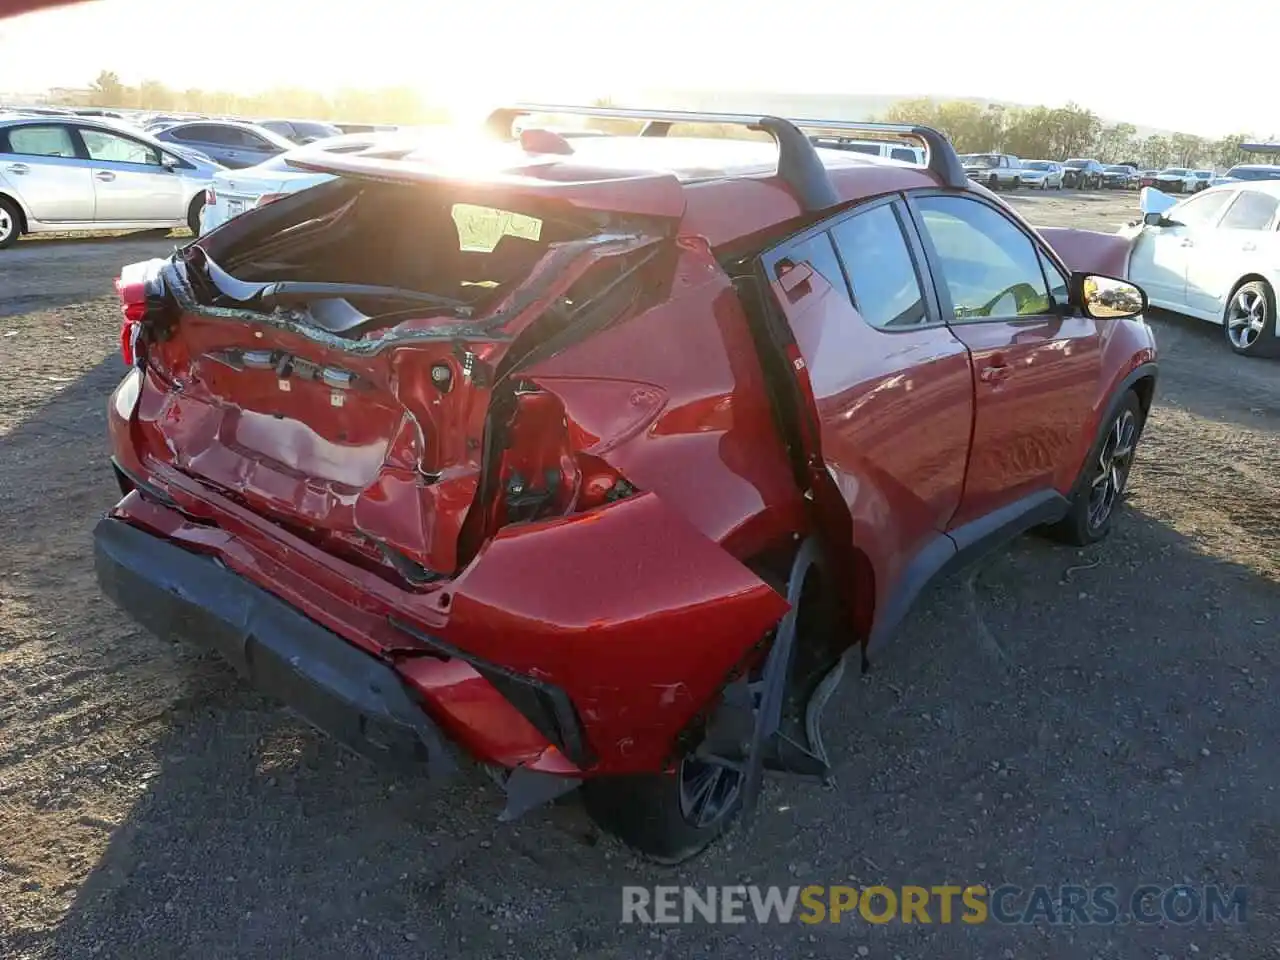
x,y
1054,716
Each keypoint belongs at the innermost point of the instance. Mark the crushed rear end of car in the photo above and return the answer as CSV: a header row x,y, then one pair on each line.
x,y
455,465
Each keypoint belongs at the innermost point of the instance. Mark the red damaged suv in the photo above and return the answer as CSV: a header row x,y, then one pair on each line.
x,y
594,461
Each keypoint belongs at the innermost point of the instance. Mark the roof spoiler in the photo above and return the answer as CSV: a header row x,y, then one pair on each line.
x,y
799,165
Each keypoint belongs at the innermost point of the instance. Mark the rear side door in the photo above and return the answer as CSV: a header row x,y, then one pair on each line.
x,y
892,385
129,181
44,165
1242,242
1036,363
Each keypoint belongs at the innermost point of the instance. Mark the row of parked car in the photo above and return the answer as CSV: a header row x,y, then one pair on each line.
x,y
62,171
1002,171
94,169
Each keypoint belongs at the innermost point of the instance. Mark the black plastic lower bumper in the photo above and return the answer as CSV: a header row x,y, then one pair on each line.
x,y
330,683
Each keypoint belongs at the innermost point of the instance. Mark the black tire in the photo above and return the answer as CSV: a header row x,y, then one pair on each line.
x,y
1089,517
1262,298
1017,183
10,223
994,183
193,214
647,813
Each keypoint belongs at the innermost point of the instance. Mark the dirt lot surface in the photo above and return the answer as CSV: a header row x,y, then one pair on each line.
x,y
1055,716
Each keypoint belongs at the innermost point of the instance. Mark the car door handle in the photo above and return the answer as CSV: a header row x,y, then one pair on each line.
x,y
17,168
1187,243
106,176
1249,246
995,373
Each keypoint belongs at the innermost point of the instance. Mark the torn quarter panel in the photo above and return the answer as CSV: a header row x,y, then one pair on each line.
x,y
629,609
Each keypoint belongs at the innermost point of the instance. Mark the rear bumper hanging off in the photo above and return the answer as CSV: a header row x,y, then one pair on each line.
x,y
333,685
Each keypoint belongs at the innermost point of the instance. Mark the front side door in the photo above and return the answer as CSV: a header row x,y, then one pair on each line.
x,y
44,165
1161,253
892,385
1036,364
1244,235
129,181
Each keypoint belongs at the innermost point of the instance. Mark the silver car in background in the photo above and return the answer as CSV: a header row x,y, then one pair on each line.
x,y
68,174
232,192
1041,174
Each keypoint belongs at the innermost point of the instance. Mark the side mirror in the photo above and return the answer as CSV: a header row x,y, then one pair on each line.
x,y
1154,219
169,163
1107,298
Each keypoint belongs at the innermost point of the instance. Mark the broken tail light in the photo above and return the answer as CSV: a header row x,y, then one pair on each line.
x,y
133,310
541,472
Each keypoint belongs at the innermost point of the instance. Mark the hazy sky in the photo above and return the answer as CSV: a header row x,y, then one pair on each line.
x,y
1203,67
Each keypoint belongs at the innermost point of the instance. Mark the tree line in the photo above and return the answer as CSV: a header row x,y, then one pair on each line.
x,y
1057,133
398,105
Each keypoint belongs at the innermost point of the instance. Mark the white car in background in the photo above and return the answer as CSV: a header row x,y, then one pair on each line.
x,y
1042,174
68,174
1215,256
232,192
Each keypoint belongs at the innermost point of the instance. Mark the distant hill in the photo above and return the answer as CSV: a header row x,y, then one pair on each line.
x,y
830,106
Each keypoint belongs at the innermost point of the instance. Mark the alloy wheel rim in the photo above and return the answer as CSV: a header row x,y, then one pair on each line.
x,y
6,225
707,791
1111,471
1246,318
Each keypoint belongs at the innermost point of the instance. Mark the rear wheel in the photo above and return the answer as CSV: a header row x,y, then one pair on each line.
x,y
1249,321
667,817
1105,475
10,223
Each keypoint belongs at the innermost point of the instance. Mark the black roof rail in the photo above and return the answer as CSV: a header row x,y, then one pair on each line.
x,y
799,165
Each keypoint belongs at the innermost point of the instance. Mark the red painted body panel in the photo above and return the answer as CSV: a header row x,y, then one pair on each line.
x,y
1030,421
896,411
712,451
1090,252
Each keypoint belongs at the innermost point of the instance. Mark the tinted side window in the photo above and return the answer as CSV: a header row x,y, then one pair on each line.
x,y
990,268
1200,210
1250,211
251,140
194,134
42,141
818,252
886,290
902,153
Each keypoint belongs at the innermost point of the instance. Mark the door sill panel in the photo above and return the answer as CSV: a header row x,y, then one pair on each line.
x,y
68,226
957,548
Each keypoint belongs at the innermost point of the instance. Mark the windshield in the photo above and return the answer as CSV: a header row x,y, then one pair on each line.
x,y
1176,172
1117,169
980,160
1254,173
1077,164
1036,165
